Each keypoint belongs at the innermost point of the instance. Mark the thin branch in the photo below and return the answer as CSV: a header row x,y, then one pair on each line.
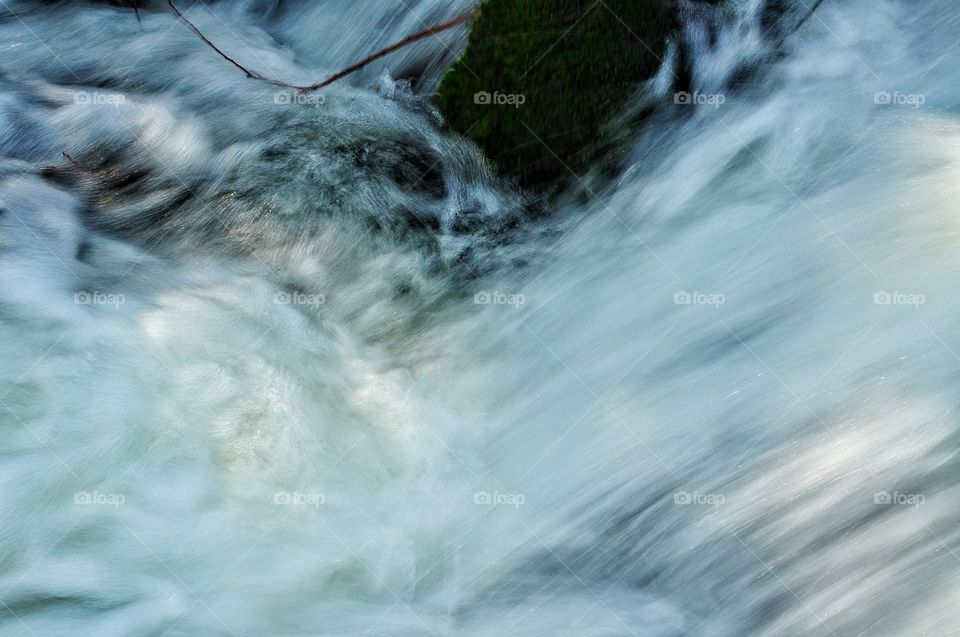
x,y
416,37
69,166
816,5
213,46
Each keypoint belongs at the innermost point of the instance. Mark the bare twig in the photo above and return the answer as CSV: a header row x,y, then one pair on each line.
x,y
416,37
68,168
213,46
73,163
816,5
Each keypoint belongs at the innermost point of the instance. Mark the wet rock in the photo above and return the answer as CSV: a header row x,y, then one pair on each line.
x,y
540,77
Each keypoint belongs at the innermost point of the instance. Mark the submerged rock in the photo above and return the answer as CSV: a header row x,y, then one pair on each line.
x,y
540,77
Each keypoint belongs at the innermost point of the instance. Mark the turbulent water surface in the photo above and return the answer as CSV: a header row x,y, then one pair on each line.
x,y
303,366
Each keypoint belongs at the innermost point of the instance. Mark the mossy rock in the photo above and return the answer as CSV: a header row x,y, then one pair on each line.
x,y
559,69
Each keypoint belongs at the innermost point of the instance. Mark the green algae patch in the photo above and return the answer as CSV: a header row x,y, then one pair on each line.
x,y
539,78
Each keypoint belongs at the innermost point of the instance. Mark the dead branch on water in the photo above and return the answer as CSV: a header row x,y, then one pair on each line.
x,y
416,37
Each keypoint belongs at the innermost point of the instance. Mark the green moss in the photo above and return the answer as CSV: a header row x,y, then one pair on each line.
x,y
573,62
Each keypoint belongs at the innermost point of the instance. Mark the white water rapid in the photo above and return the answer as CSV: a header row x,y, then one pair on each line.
x,y
300,368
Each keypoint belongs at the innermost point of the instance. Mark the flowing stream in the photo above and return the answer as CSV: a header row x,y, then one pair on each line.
x,y
302,365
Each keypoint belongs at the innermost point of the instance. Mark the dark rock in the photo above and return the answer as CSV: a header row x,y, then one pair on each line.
x,y
540,77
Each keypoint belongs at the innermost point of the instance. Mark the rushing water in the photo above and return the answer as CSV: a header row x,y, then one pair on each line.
x,y
308,369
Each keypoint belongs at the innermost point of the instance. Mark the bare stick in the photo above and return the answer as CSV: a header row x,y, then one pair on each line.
x,y
71,163
416,37
213,46
816,5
